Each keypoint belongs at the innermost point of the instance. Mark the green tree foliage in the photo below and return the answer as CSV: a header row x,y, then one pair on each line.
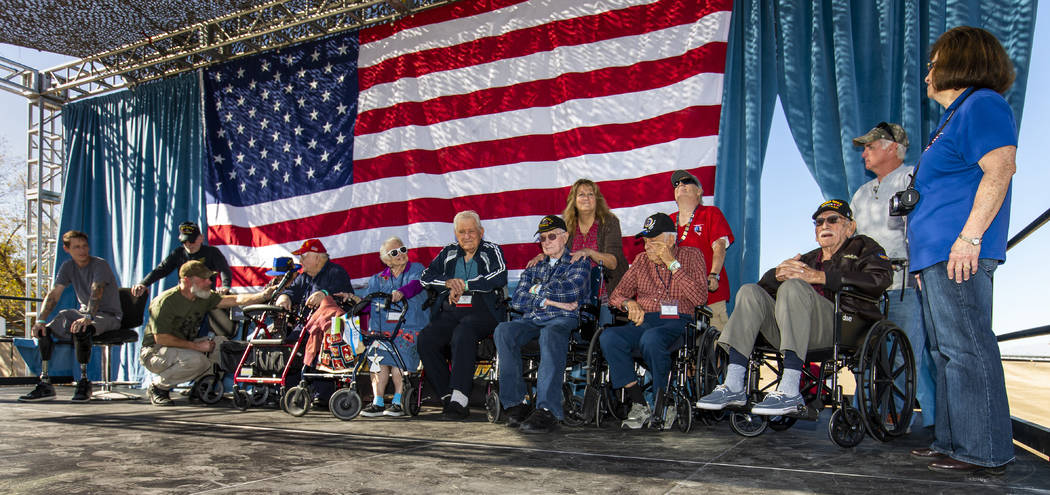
x,y
12,239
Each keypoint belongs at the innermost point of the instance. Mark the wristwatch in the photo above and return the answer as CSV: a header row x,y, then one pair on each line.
x,y
715,275
976,241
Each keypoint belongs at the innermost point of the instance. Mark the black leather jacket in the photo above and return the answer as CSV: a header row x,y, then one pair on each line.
x,y
860,262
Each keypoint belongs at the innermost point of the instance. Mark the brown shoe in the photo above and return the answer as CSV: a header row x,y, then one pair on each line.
x,y
927,454
949,465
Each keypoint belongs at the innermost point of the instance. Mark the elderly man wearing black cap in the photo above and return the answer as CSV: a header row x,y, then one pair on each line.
x,y
659,293
792,307
705,228
548,296
170,347
193,248
885,146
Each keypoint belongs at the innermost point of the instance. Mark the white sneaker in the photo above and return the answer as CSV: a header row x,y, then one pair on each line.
x,y
638,417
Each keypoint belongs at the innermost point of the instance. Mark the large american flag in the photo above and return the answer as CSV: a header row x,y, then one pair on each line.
x,y
492,105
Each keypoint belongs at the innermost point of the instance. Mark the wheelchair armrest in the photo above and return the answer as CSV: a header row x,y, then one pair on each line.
x,y
857,294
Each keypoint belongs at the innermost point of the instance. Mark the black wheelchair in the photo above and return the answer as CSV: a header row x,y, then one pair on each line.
x,y
877,353
685,381
580,342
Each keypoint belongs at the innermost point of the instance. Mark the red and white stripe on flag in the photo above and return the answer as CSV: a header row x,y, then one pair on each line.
x,y
498,106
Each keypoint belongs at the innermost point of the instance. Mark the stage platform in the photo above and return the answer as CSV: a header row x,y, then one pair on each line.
x,y
59,447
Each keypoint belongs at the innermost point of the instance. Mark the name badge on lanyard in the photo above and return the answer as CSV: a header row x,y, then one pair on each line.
x,y
464,301
393,316
669,309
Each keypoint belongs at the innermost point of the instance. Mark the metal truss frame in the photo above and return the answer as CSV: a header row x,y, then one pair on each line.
x,y
276,24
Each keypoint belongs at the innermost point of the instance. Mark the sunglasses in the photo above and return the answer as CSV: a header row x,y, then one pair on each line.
x,y
888,130
394,252
551,236
930,65
831,219
684,181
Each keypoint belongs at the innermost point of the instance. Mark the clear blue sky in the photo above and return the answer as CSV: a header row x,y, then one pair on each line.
x,y
790,193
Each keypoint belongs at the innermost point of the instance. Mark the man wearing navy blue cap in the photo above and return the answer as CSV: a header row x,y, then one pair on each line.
x,y
193,248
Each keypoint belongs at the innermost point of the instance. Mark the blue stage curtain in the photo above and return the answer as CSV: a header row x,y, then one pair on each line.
x,y
134,172
839,68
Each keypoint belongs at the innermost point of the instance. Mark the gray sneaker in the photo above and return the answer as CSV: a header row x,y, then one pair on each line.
x,y
777,403
721,398
638,417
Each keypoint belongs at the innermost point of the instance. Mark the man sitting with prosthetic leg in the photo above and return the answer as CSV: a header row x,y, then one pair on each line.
x,y
96,290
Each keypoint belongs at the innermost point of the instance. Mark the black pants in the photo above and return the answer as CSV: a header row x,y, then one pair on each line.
x,y
459,330
81,344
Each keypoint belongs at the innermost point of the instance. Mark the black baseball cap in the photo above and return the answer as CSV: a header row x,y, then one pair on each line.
x,y
656,224
551,222
682,175
837,205
188,232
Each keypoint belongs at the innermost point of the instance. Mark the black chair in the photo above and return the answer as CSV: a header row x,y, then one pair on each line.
x,y
133,309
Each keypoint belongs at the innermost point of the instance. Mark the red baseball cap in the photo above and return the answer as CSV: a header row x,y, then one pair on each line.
x,y
311,246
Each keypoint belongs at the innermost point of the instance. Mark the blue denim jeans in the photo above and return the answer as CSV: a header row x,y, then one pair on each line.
x,y
654,338
554,349
907,314
973,416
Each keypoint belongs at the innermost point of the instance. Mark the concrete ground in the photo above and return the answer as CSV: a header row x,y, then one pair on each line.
x,y
59,447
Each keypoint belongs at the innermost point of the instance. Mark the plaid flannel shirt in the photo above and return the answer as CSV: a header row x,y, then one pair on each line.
x,y
563,282
649,283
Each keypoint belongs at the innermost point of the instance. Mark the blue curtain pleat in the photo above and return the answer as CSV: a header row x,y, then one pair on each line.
x,y
838,68
134,171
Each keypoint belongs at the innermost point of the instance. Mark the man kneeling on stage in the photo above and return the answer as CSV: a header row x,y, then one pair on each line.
x,y
548,295
170,348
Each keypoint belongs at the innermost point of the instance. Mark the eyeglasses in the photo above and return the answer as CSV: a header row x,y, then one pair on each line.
x,y
684,181
831,219
549,236
888,129
930,65
394,252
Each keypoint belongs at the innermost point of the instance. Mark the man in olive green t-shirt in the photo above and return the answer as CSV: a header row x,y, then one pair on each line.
x,y
170,348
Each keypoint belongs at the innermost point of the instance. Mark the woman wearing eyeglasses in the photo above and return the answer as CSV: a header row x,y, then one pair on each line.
x,y
401,280
956,239
792,307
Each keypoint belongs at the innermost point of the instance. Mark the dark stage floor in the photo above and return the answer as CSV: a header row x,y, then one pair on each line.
x,y
60,447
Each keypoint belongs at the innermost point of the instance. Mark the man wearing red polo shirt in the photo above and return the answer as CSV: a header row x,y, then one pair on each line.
x,y
705,228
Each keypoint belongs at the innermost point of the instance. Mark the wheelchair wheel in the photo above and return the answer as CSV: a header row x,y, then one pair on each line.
x,y
684,407
345,404
209,389
410,400
493,410
846,428
886,382
259,395
297,401
573,406
240,399
747,424
781,423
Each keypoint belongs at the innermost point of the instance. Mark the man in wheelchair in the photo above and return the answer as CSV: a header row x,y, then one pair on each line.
x,y
319,278
792,307
548,296
659,292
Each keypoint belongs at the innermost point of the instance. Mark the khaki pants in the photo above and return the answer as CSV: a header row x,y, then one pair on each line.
x,y
174,365
798,319
719,314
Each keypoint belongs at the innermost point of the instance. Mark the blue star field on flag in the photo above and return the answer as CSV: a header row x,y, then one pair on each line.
x,y
281,124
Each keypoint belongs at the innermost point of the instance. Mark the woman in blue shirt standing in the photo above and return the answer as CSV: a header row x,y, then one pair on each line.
x,y
957,238
401,280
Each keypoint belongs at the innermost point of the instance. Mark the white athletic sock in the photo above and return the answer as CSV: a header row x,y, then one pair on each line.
x,y
735,377
789,382
459,398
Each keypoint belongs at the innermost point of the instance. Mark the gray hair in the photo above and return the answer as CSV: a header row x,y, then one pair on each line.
x,y
464,215
382,252
902,150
